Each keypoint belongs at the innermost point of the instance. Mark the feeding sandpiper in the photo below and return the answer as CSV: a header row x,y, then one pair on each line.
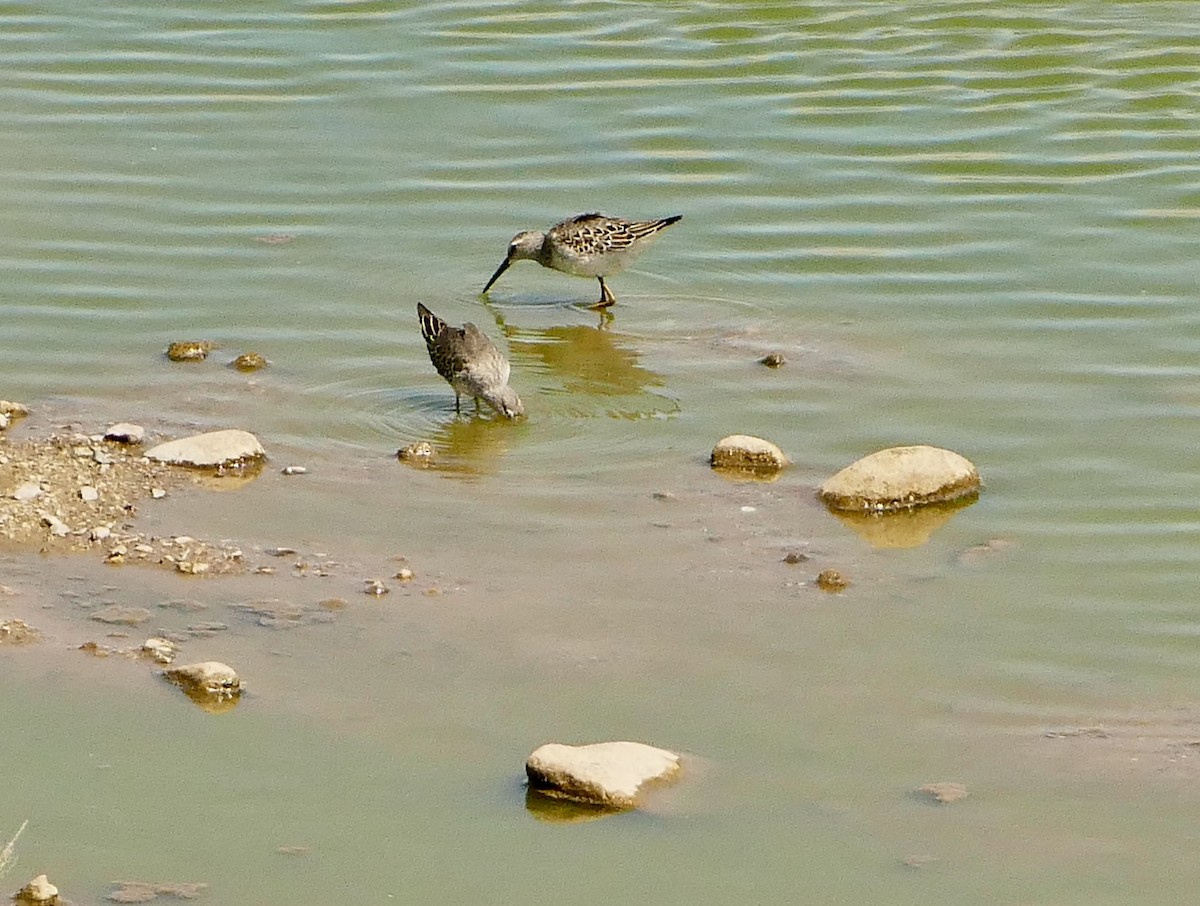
x,y
471,363
589,245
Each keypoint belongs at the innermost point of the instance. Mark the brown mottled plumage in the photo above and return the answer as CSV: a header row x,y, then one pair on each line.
x,y
470,362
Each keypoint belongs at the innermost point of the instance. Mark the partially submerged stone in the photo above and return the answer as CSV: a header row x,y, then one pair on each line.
x,y
39,890
609,774
190,350
214,448
159,649
125,433
13,410
206,680
901,478
18,632
120,615
145,891
744,452
943,793
832,580
249,361
420,453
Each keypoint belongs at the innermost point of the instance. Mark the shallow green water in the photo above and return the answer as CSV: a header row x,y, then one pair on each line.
x,y
967,224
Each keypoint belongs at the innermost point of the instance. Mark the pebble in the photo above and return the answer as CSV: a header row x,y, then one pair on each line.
x,y
158,493
249,361
773,360
161,650
190,350
421,453
27,491
294,470
831,580
375,587
88,493
405,575
58,528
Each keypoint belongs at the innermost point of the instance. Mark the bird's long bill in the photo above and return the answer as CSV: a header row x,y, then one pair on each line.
x,y
496,276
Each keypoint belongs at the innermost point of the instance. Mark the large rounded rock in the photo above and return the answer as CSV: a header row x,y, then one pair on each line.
x,y
900,478
215,448
609,774
746,453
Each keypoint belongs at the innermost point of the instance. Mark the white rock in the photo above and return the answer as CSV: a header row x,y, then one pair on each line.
x,y
899,478
88,493
125,433
57,526
742,451
214,448
100,532
3,421
162,650
27,491
211,678
39,890
604,773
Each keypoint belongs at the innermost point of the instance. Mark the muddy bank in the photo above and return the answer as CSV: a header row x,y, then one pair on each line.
x,y
80,492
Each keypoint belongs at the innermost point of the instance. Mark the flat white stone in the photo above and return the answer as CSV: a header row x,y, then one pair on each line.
x,y
89,493
899,478
604,773
125,433
27,491
744,451
214,448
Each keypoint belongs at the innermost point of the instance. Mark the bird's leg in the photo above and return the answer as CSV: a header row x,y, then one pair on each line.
x,y
457,404
606,296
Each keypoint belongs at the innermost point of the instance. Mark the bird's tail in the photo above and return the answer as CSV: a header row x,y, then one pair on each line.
x,y
650,227
431,325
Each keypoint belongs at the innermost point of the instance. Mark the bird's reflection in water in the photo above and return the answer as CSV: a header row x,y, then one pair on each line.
x,y
470,444
589,362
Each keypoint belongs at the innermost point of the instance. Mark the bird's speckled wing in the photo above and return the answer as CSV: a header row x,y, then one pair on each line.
x,y
595,234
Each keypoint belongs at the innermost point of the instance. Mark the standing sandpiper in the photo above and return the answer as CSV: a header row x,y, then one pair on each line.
x,y
472,364
589,245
